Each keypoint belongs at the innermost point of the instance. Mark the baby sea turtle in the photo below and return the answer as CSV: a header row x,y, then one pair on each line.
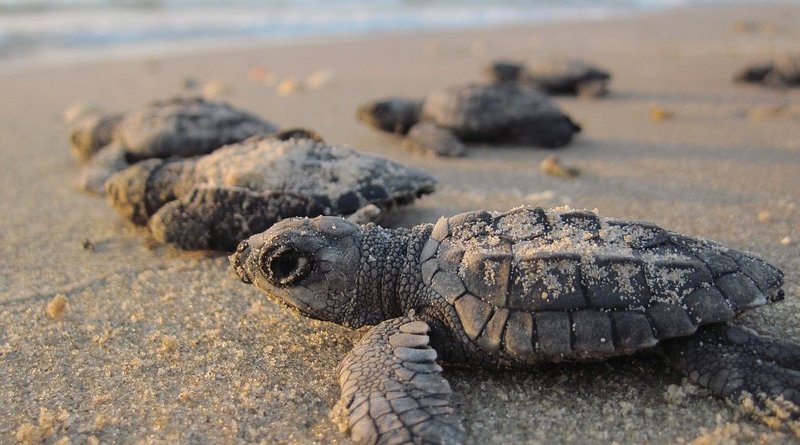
x,y
553,76
215,201
507,113
509,290
782,72
178,127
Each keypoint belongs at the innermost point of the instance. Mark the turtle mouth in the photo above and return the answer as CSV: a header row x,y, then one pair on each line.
x,y
239,262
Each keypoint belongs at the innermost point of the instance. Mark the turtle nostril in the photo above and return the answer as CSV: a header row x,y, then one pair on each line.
x,y
239,261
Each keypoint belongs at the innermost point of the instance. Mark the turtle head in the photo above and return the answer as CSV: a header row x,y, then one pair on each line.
x,y
394,114
308,264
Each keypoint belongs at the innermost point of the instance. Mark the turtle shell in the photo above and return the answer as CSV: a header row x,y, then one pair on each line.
x,y
339,177
186,127
506,112
534,284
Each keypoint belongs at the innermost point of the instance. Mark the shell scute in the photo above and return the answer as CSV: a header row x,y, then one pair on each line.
x,y
670,280
491,338
670,320
593,332
553,333
740,291
487,274
707,305
583,220
639,234
519,334
616,282
522,224
448,285
474,314
633,330
547,281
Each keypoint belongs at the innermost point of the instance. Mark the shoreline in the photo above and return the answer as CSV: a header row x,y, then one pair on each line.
x,y
132,341
53,59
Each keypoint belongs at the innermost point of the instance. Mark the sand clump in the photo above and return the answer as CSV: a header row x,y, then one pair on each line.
x,y
552,166
658,113
56,307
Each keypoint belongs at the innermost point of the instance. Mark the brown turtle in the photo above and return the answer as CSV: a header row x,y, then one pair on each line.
x,y
507,113
215,201
178,127
781,72
553,76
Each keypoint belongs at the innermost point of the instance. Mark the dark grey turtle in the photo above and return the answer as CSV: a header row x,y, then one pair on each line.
x,y
178,127
782,72
215,201
509,290
508,113
553,76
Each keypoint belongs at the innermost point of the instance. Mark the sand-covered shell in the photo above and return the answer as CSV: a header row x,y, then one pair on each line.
x,y
216,200
180,126
537,284
507,112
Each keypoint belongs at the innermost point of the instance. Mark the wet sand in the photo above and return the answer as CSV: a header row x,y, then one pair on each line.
x,y
108,338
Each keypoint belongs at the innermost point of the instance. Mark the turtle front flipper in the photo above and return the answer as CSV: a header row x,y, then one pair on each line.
x,y
217,218
734,361
392,388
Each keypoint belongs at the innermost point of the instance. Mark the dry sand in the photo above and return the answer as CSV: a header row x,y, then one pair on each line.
x,y
106,337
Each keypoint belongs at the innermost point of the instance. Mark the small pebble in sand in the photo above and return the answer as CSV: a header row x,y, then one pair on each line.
x,y
169,344
764,216
216,88
658,113
552,166
787,241
258,73
287,86
318,79
57,306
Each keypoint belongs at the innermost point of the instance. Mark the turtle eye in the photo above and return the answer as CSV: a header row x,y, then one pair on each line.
x,y
285,266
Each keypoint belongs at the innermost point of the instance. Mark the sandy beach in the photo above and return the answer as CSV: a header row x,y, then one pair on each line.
x,y
157,345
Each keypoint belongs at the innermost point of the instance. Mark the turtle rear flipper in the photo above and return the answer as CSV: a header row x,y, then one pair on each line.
x,y
218,218
735,362
392,388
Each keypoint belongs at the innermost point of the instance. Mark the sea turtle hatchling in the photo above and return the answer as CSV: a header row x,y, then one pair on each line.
x,y
215,201
509,290
506,113
781,72
553,76
178,127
